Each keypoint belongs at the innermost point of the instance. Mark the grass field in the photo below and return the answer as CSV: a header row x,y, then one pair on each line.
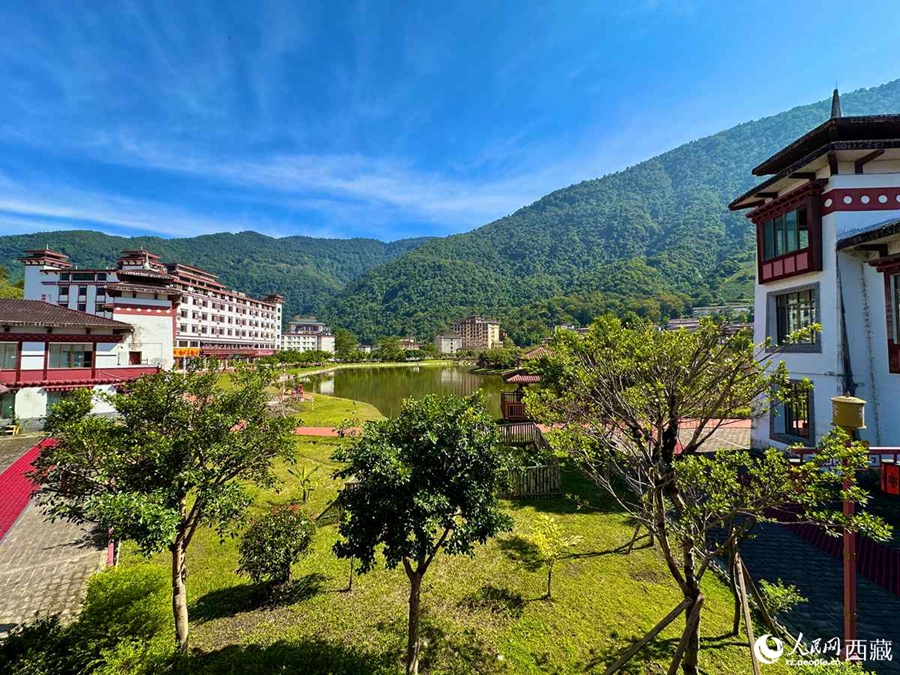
x,y
482,615
329,411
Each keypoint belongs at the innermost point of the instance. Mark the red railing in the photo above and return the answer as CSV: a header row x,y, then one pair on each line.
x,y
73,376
511,406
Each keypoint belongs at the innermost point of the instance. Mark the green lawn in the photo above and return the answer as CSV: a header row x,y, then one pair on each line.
x,y
482,614
329,411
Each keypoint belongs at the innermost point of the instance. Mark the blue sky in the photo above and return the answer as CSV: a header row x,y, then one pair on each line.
x,y
384,119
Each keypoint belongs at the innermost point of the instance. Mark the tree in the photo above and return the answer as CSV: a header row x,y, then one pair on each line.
x,y
179,454
550,544
345,344
274,542
622,396
424,482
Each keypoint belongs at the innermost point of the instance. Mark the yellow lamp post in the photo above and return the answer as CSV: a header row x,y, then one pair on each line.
x,y
848,412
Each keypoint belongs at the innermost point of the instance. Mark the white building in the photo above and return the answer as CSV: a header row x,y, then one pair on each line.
x,y
828,252
178,311
306,335
47,350
448,343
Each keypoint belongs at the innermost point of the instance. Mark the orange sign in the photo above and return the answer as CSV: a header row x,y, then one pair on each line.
x,y
181,352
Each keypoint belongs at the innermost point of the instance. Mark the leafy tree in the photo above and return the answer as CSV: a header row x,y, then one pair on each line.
x,y
274,542
345,344
179,454
550,543
424,482
622,396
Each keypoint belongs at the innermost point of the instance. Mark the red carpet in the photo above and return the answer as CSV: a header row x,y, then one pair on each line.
x,y
15,488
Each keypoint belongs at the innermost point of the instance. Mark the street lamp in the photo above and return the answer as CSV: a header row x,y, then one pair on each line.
x,y
848,412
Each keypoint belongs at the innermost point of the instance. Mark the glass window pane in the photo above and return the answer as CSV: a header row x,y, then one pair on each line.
x,y
790,231
769,238
779,235
803,229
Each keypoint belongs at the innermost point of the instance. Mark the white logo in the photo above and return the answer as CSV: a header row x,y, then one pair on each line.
x,y
766,654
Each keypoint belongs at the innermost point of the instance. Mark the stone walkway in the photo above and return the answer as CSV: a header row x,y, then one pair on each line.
x,y
777,553
43,566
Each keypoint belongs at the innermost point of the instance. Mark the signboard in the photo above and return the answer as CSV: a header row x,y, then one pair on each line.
x,y
181,352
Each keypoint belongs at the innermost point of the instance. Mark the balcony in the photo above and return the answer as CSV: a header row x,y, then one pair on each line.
x,y
511,406
59,377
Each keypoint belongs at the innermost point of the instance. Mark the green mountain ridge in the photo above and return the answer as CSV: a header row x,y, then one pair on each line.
x,y
654,238
306,270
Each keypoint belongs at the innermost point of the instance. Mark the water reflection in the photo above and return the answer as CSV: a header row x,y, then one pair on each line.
x,y
385,388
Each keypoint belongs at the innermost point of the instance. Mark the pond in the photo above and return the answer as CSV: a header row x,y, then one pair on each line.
x,y
386,387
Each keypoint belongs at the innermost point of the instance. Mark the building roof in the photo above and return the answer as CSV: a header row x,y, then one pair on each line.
x,y
537,353
519,376
40,313
141,288
833,130
863,235
148,274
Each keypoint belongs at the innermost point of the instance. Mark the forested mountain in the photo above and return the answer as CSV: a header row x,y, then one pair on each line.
x,y
307,271
654,238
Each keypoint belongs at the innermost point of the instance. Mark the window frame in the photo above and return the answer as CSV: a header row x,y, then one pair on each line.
x,y
86,348
772,328
779,416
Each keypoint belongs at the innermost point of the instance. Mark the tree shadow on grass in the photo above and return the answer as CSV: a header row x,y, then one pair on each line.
x,y
657,651
249,597
496,600
520,550
310,656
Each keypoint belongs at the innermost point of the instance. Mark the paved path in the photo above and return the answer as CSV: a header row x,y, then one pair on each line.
x,y
777,553
43,565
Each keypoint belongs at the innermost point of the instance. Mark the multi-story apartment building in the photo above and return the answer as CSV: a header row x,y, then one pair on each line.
x,y
306,334
178,311
222,322
478,333
828,251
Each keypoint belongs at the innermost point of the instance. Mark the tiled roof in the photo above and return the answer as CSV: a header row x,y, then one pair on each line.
x,y
537,353
519,376
40,313
141,288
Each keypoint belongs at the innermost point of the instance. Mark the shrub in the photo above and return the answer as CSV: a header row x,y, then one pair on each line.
x,y
274,542
123,628
780,598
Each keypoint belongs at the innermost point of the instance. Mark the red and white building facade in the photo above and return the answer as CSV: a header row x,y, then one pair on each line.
x,y
178,311
47,350
828,251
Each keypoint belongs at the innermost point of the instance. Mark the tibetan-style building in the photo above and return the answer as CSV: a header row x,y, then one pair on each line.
x,y
177,311
47,350
827,221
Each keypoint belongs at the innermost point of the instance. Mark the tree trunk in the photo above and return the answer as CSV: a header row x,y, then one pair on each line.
x,y
549,579
179,595
692,649
412,645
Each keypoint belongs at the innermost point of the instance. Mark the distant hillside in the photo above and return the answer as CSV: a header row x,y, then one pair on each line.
x,y
307,271
653,239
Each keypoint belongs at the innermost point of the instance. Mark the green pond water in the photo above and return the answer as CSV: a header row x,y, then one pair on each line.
x,y
385,388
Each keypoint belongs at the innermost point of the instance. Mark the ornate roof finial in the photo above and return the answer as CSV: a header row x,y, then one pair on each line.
x,y
836,104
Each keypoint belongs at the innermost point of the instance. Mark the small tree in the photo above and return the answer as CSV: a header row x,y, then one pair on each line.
x,y
179,454
550,543
424,482
622,397
274,542
346,345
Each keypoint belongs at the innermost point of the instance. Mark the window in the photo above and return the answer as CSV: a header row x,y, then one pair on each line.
x,y
8,355
794,311
8,405
793,420
82,276
71,356
785,234
53,399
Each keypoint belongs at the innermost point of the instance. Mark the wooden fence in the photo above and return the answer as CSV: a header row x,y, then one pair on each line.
x,y
534,481
530,481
